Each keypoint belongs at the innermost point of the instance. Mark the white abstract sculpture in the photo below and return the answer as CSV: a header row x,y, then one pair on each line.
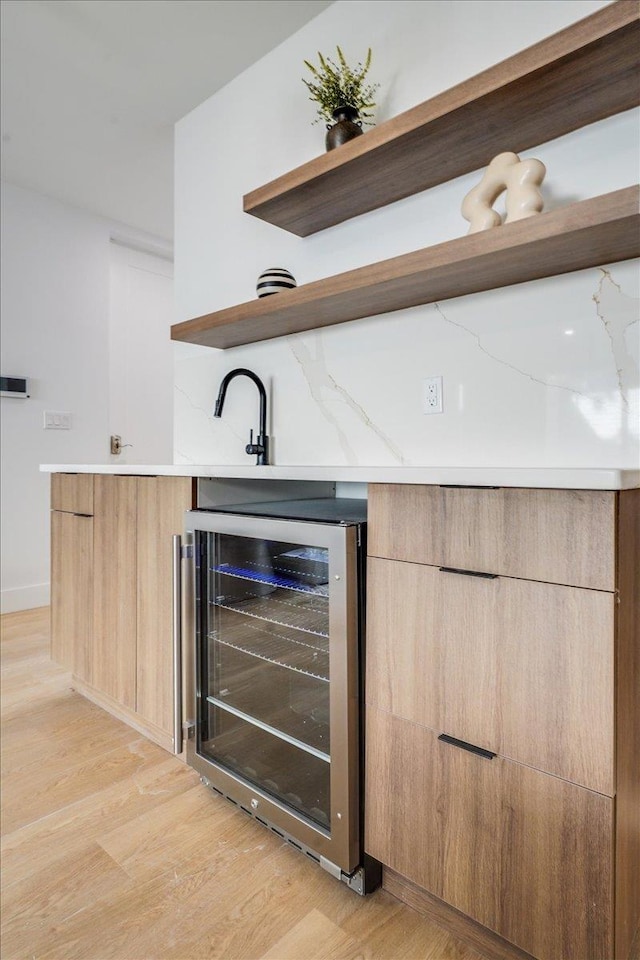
x,y
520,178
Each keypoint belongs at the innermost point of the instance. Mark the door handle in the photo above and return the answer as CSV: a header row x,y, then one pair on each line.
x,y
177,641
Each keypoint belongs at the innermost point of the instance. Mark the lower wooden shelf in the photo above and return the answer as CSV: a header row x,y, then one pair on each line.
x,y
602,230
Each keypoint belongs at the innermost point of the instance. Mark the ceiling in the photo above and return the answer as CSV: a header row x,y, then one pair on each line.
x,y
91,90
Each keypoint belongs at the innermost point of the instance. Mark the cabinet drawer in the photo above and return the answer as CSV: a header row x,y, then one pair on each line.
x,y
524,669
72,492
562,536
525,854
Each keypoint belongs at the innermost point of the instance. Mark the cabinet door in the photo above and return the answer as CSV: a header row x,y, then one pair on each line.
x,y
72,591
72,492
526,854
561,536
521,668
161,504
114,593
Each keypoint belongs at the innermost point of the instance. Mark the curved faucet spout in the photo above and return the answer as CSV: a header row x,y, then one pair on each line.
x,y
261,448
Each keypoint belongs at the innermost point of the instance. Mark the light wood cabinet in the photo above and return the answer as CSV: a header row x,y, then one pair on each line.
x,y
161,504
72,590
537,665
518,667
526,854
72,493
112,592
558,536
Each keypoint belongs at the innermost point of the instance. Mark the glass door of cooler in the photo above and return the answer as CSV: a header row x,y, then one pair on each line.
x,y
277,669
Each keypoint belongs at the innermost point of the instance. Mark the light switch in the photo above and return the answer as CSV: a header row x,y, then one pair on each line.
x,y
57,420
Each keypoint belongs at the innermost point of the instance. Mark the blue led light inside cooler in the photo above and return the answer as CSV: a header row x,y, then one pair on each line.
x,y
272,579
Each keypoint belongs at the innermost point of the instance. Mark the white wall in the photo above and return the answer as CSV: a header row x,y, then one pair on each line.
x,y
55,331
544,373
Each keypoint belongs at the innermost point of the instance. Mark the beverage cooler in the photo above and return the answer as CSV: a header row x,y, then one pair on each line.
x,y
274,700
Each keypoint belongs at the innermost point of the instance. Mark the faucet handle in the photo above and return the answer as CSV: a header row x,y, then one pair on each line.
x,y
254,449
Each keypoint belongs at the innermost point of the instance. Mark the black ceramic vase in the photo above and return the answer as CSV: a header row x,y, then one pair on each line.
x,y
346,127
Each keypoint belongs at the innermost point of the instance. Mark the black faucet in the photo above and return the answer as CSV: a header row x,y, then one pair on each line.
x,y
261,448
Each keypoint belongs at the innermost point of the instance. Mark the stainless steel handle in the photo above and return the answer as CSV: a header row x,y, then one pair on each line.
x,y
177,642
188,637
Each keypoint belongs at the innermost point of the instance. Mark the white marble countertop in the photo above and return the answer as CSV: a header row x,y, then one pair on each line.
x,y
570,478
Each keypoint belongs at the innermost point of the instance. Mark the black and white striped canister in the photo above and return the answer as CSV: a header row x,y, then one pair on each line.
x,y
274,280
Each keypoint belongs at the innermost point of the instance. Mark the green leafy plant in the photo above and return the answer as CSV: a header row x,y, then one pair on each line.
x,y
337,85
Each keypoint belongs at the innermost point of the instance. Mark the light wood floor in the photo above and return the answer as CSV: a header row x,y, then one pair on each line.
x,y
111,848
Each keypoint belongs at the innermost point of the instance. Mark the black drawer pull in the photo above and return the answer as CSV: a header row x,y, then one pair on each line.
x,y
468,486
471,747
469,573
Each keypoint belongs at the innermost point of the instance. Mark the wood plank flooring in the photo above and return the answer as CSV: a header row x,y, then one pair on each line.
x,y
111,848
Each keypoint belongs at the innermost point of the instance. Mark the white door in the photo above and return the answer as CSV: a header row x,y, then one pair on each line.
x,y
141,355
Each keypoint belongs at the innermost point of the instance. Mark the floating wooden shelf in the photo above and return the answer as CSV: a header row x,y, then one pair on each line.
x,y
602,230
582,74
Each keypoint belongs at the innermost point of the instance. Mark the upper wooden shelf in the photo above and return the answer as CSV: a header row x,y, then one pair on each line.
x,y
602,230
578,76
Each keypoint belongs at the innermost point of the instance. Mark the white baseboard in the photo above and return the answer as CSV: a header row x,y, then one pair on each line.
x,y
25,598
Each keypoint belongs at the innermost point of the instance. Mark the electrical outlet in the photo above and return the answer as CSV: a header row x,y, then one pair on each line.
x,y
432,395
57,420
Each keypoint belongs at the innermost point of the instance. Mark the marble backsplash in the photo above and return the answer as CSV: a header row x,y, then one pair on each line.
x,y
542,374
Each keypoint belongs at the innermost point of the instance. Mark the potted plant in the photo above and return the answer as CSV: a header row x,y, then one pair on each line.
x,y
342,95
